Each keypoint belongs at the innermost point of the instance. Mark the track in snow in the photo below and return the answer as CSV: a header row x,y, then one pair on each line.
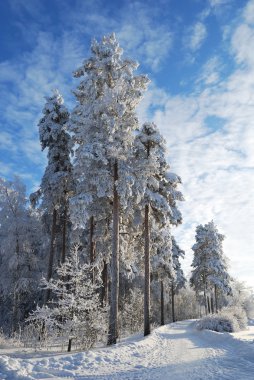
x,y
176,352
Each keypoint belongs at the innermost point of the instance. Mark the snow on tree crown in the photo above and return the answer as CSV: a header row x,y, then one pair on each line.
x,y
55,114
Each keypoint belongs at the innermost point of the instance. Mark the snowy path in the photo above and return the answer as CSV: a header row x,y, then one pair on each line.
x,y
175,352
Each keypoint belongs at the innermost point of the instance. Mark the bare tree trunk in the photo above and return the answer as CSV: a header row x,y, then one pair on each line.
x,y
104,292
92,246
51,253
162,304
205,298
147,328
208,305
64,234
212,305
69,344
113,313
173,301
14,312
206,311
216,298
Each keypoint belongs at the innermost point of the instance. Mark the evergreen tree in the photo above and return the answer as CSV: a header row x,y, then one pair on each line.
x,y
209,263
102,124
179,281
56,183
159,201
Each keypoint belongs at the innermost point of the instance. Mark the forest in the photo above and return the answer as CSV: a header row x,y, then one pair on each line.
x,y
91,256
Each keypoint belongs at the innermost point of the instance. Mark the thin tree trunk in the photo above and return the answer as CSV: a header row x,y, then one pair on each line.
x,y
206,310
104,292
212,305
208,305
147,329
173,302
92,246
162,304
51,253
64,234
69,344
113,313
216,298
14,313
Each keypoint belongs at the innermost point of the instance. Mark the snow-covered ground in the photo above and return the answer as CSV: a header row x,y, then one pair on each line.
x,y
176,352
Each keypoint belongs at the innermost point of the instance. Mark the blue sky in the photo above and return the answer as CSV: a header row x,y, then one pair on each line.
x,y
199,55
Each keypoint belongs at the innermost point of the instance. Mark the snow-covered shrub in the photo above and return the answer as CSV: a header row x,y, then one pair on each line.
x,y
230,319
239,314
218,323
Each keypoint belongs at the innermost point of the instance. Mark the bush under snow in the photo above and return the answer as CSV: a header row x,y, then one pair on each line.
x,y
230,319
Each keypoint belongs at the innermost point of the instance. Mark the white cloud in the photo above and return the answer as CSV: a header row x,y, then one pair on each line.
x,y
146,41
217,3
243,44
210,72
248,13
196,36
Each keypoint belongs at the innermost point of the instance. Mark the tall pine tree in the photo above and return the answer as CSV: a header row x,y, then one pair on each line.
x,y
103,123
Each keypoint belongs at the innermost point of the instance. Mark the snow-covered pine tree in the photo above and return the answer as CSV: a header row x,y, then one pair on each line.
x,y
159,201
179,281
210,269
75,312
56,183
102,124
20,241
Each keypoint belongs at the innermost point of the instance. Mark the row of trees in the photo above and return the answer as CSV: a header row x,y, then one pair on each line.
x,y
101,222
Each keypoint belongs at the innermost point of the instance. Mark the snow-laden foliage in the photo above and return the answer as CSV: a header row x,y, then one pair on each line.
x,y
210,266
177,254
20,246
242,296
230,319
102,124
157,187
132,314
186,306
74,311
56,181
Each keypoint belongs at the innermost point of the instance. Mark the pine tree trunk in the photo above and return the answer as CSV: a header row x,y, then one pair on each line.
x,y
173,302
205,298
162,304
208,305
113,313
92,246
69,344
212,305
104,292
216,298
14,313
51,253
64,234
147,329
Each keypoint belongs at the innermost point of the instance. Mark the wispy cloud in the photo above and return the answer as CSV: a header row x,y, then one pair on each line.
x,y
210,72
217,3
195,36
